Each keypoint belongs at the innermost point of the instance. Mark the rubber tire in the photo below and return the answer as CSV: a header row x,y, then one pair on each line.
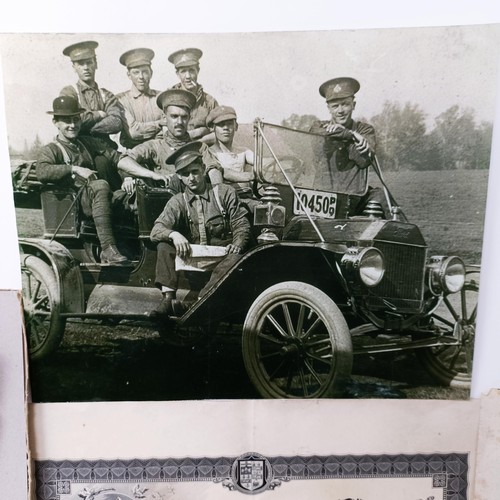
x,y
43,274
297,295
442,373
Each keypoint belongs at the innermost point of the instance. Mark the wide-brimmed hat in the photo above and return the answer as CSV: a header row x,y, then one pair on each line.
x,y
65,106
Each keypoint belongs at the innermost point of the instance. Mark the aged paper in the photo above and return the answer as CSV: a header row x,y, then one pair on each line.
x,y
375,449
189,447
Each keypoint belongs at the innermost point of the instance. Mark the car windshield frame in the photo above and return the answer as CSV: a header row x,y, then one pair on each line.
x,y
303,156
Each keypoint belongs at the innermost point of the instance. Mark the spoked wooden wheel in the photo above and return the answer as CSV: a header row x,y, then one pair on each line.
x,y
41,303
296,343
456,317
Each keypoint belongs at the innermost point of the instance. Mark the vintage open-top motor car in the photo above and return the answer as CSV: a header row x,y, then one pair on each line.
x,y
320,285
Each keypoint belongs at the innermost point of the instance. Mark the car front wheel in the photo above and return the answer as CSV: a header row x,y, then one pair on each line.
x,y
296,343
456,317
41,304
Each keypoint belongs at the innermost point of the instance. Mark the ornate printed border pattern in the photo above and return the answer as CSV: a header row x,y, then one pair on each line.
x,y
253,473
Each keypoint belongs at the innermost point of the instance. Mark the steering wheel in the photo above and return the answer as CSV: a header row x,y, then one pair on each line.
x,y
292,165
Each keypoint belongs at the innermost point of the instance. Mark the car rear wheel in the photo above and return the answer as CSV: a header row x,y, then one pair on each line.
x,y
41,303
296,343
456,317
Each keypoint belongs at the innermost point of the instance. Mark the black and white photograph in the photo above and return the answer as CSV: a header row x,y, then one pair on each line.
x,y
251,215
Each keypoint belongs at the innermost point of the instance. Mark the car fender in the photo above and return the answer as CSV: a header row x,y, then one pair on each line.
x,y
65,267
264,266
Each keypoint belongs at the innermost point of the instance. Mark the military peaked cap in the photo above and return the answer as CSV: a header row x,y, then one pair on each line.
x,y
137,57
220,114
81,50
176,97
185,57
339,88
185,155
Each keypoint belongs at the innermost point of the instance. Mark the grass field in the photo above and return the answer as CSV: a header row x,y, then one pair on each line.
x,y
448,207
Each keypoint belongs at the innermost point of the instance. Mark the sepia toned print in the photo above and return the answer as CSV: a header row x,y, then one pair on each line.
x,y
351,263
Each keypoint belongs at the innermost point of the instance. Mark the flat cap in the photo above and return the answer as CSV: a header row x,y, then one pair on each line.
x,y
185,155
81,50
339,88
220,114
185,57
176,97
65,106
137,57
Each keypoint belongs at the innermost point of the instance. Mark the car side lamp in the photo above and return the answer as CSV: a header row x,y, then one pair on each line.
x,y
269,214
445,274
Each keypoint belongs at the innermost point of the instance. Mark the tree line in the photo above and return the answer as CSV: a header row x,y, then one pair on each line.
x,y
455,141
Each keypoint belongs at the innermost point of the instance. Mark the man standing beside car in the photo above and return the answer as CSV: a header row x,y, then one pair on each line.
x,y
144,120
202,214
71,160
349,145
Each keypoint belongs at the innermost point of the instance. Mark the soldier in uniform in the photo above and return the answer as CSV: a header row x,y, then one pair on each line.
x,y
103,114
151,159
144,120
71,161
349,146
187,68
202,214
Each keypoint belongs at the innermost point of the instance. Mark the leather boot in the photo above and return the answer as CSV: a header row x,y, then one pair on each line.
x,y
111,255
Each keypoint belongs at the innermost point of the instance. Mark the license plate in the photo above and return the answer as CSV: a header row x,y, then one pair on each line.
x,y
318,203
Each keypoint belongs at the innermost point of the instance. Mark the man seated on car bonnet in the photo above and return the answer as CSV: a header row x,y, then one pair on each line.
x,y
349,146
203,214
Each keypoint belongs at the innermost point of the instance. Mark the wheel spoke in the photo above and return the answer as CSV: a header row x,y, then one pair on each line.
x,y
443,320
288,320
312,371
300,320
274,340
324,360
451,309
276,370
313,327
276,325
303,382
37,289
318,342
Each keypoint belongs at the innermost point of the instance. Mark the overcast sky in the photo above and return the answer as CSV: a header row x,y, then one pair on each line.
x,y
269,75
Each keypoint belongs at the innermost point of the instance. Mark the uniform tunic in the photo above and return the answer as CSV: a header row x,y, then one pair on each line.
x,y
94,99
143,117
53,166
347,167
154,154
204,104
180,215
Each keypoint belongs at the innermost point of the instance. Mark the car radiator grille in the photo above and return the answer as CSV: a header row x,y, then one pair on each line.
x,y
402,285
